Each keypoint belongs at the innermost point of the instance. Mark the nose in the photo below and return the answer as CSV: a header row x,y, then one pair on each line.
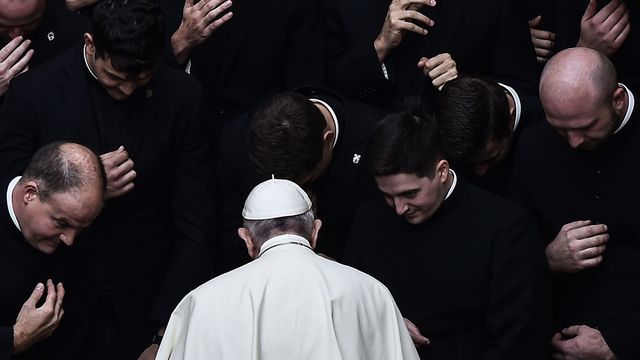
x,y
574,139
127,88
400,206
68,237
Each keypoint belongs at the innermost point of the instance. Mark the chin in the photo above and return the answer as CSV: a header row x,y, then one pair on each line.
x,y
415,219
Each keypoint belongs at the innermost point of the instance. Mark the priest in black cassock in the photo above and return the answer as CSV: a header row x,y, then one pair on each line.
x,y
59,194
465,267
577,173
149,247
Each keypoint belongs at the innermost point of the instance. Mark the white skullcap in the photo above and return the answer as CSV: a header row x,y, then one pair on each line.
x,y
275,198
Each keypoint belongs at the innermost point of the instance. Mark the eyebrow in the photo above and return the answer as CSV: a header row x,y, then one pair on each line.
x,y
403,193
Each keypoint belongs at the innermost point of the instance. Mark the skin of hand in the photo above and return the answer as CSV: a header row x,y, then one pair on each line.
x,y
152,350
580,342
579,245
440,69
35,324
402,16
120,173
416,336
199,21
14,60
543,41
605,30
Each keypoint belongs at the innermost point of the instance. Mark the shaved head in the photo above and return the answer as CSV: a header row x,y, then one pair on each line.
x,y
578,72
19,17
581,97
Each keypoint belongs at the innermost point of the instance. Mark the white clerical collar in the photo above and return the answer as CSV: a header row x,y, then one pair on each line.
x,y
630,106
286,239
84,55
453,184
333,117
516,100
12,213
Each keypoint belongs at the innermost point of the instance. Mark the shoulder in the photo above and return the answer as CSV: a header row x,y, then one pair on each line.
x,y
176,81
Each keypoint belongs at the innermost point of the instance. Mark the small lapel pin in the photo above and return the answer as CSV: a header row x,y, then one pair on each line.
x,y
356,158
149,93
51,36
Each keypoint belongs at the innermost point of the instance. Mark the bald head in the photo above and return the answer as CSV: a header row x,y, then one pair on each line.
x,y
581,97
66,167
578,74
20,17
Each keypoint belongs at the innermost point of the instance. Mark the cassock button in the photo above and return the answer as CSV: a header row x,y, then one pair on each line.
x,y
356,158
51,36
597,197
598,172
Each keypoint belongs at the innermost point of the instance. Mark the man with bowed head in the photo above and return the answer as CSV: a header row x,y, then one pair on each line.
x,y
582,188
59,194
288,303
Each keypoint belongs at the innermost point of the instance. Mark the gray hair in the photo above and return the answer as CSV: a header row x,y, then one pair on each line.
x,y
263,230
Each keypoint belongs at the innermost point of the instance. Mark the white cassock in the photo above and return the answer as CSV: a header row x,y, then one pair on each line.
x,y
289,303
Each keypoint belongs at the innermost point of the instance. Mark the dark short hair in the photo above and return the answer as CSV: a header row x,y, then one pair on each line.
x,y
406,142
129,32
285,137
52,170
471,112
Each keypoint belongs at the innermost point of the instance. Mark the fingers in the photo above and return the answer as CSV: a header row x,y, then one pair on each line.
x,y
620,14
440,69
575,224
112,154
571,331
216,24
11,46
591,10
415,333
587,231
188,4
535,22
35,296
58,311
49,303
14,58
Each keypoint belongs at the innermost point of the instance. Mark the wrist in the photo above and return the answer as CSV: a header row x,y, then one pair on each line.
x,y
382,50
180,46
18,340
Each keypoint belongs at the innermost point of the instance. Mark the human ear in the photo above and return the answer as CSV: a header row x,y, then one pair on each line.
x,y
30,192
317,224
248,241
442,170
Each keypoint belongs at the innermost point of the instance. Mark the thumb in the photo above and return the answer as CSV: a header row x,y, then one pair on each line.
x,y
535,22
591,10
35,295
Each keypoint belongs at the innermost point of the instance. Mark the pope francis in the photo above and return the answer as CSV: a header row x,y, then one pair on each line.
x,y
288,303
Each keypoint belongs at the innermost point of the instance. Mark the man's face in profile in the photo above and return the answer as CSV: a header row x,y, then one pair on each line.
x,y
19,17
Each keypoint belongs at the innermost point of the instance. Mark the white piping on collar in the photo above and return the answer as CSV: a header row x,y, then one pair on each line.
x,y
333,117
12,213
630,106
